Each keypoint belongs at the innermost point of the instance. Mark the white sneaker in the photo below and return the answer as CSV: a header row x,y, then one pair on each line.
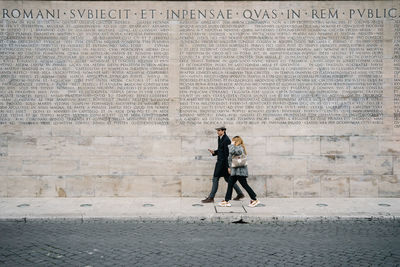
x,y
224,204
254,203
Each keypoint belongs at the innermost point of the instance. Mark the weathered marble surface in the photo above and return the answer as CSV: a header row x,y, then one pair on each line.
x,y
169,157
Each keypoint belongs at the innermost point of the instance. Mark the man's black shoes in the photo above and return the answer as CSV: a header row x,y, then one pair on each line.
x,y
208,200
239,197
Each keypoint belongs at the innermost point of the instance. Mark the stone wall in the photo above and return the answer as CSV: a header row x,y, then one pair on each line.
x,y
121,99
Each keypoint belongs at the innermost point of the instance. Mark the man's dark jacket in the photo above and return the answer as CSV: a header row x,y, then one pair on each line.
x,y
222,153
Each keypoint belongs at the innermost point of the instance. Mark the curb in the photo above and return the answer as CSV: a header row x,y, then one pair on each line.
x,y
236,219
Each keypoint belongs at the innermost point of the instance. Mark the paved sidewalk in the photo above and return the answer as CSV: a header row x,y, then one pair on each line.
x,y
192,210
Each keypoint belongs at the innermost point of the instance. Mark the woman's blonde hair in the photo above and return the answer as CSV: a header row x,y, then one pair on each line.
x,y
239,141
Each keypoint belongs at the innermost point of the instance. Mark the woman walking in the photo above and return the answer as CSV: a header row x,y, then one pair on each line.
x,y
238,173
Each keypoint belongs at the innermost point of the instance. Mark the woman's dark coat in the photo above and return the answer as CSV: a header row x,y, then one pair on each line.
x,y
222,153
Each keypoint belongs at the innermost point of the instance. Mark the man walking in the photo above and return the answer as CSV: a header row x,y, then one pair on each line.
x,y
221,167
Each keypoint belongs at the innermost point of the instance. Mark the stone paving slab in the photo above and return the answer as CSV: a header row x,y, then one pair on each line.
x,y
237,207
191,209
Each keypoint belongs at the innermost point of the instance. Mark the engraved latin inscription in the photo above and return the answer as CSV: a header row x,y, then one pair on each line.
x,y
231,71
396,74
84,72
281,72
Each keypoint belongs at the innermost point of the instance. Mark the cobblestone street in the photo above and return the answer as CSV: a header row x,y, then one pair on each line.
x,y
129,243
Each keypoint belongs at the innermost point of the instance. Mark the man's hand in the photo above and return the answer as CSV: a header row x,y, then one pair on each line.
x,y
229,170
211,151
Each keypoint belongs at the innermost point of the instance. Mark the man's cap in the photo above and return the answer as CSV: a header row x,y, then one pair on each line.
x,y
221,128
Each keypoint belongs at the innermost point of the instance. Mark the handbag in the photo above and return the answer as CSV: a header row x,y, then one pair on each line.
x,y
239,161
